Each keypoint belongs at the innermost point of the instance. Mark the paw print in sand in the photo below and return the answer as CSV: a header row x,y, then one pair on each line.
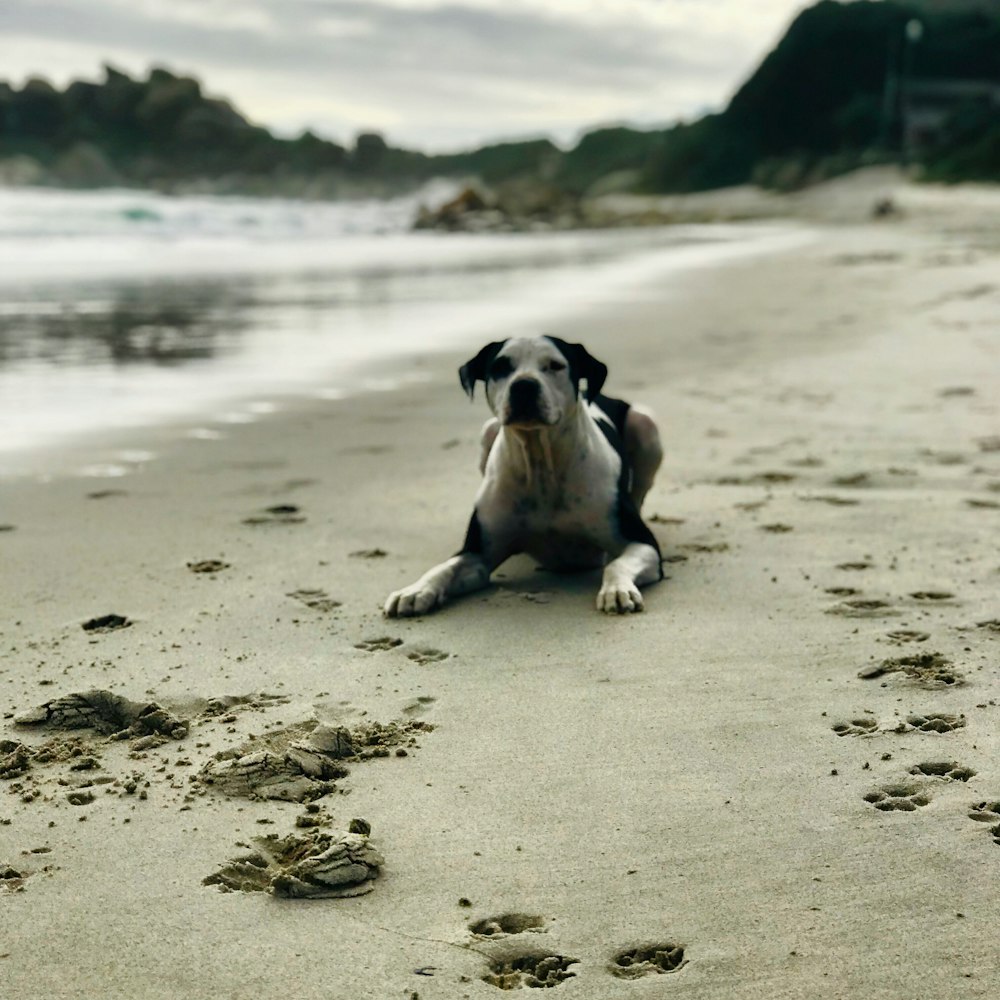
x,y
987,812
427,655
507,924
901,797
534,970
856,727
949,769
652,960
932,722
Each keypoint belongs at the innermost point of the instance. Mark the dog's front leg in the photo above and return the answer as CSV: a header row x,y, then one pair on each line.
x,y
638,565
461,574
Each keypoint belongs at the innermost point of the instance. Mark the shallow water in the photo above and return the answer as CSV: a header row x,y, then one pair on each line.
x,y
122,309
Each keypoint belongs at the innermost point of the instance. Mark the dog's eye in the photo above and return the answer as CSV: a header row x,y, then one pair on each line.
x,y
501,368
555,366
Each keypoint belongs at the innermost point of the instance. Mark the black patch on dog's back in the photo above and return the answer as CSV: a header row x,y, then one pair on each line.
x,y
617,412
630,521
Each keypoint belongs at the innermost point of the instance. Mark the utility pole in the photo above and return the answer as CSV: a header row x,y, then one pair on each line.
x,y
890,92
912,33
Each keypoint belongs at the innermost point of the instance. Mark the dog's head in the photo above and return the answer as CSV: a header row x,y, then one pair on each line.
x,y
533,382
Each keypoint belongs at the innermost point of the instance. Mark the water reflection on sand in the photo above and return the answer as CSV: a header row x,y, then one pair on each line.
x,y
101,333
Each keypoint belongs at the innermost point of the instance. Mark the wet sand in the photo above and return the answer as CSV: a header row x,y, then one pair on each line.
x,y
780,780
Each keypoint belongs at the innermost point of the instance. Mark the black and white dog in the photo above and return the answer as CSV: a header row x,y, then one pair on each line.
x,y
564,478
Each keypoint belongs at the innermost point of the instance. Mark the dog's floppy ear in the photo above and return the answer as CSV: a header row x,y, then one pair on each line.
x,y
582,365
474,370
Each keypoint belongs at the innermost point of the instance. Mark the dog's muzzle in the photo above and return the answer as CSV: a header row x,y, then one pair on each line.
x,y
524,398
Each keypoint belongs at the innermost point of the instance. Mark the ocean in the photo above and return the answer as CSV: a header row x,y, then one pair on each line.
x,y
127,309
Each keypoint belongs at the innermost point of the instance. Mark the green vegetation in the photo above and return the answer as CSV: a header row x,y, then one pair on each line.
x,y
827,99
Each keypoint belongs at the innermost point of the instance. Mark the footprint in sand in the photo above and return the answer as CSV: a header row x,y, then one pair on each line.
x,y
901,635
208,566
944,457
898,797
106,623
537,596
535,970
833,501
379,644
224,708
419,706
282,513
856,479
770,478
12,879
863,607
978,503
932,596
507,924
949,769
145,725
928,670
314,865
427,655
855,567
648,961
367,449
303,762
856,727
280,488
987,812
318,600
991,625
777,528
368,554
932,722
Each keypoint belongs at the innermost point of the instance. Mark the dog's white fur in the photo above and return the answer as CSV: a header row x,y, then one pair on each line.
x,y
551,482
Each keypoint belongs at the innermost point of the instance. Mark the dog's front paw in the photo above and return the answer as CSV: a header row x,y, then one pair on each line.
x,y
619,598
417,599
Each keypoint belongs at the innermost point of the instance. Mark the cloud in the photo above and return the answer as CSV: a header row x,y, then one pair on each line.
x,y
427,72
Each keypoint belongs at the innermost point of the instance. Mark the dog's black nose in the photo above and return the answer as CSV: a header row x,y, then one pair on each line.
x,y
523,396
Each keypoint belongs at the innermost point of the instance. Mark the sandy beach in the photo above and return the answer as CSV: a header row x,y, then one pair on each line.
x,y
781,780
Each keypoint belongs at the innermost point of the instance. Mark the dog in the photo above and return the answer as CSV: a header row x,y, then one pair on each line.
x,y
565,473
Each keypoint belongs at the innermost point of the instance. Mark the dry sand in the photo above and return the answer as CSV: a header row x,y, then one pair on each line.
x,y
705,800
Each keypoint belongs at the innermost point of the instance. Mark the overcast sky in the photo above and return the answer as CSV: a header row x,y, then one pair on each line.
x,y
428,74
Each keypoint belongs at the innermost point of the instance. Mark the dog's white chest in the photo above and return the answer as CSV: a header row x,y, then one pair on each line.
x,y
559,512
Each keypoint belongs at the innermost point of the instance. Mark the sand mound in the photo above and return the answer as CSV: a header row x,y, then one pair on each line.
x,y
311,866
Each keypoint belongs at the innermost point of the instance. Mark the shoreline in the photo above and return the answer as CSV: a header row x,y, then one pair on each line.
x,y
706,775
283,366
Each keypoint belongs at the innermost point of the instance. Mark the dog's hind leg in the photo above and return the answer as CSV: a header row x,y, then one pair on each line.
x,y
643,451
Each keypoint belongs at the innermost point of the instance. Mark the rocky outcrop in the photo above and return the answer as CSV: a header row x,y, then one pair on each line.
x,y
523,204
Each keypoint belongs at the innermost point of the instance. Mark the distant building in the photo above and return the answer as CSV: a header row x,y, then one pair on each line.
x,y
927,105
